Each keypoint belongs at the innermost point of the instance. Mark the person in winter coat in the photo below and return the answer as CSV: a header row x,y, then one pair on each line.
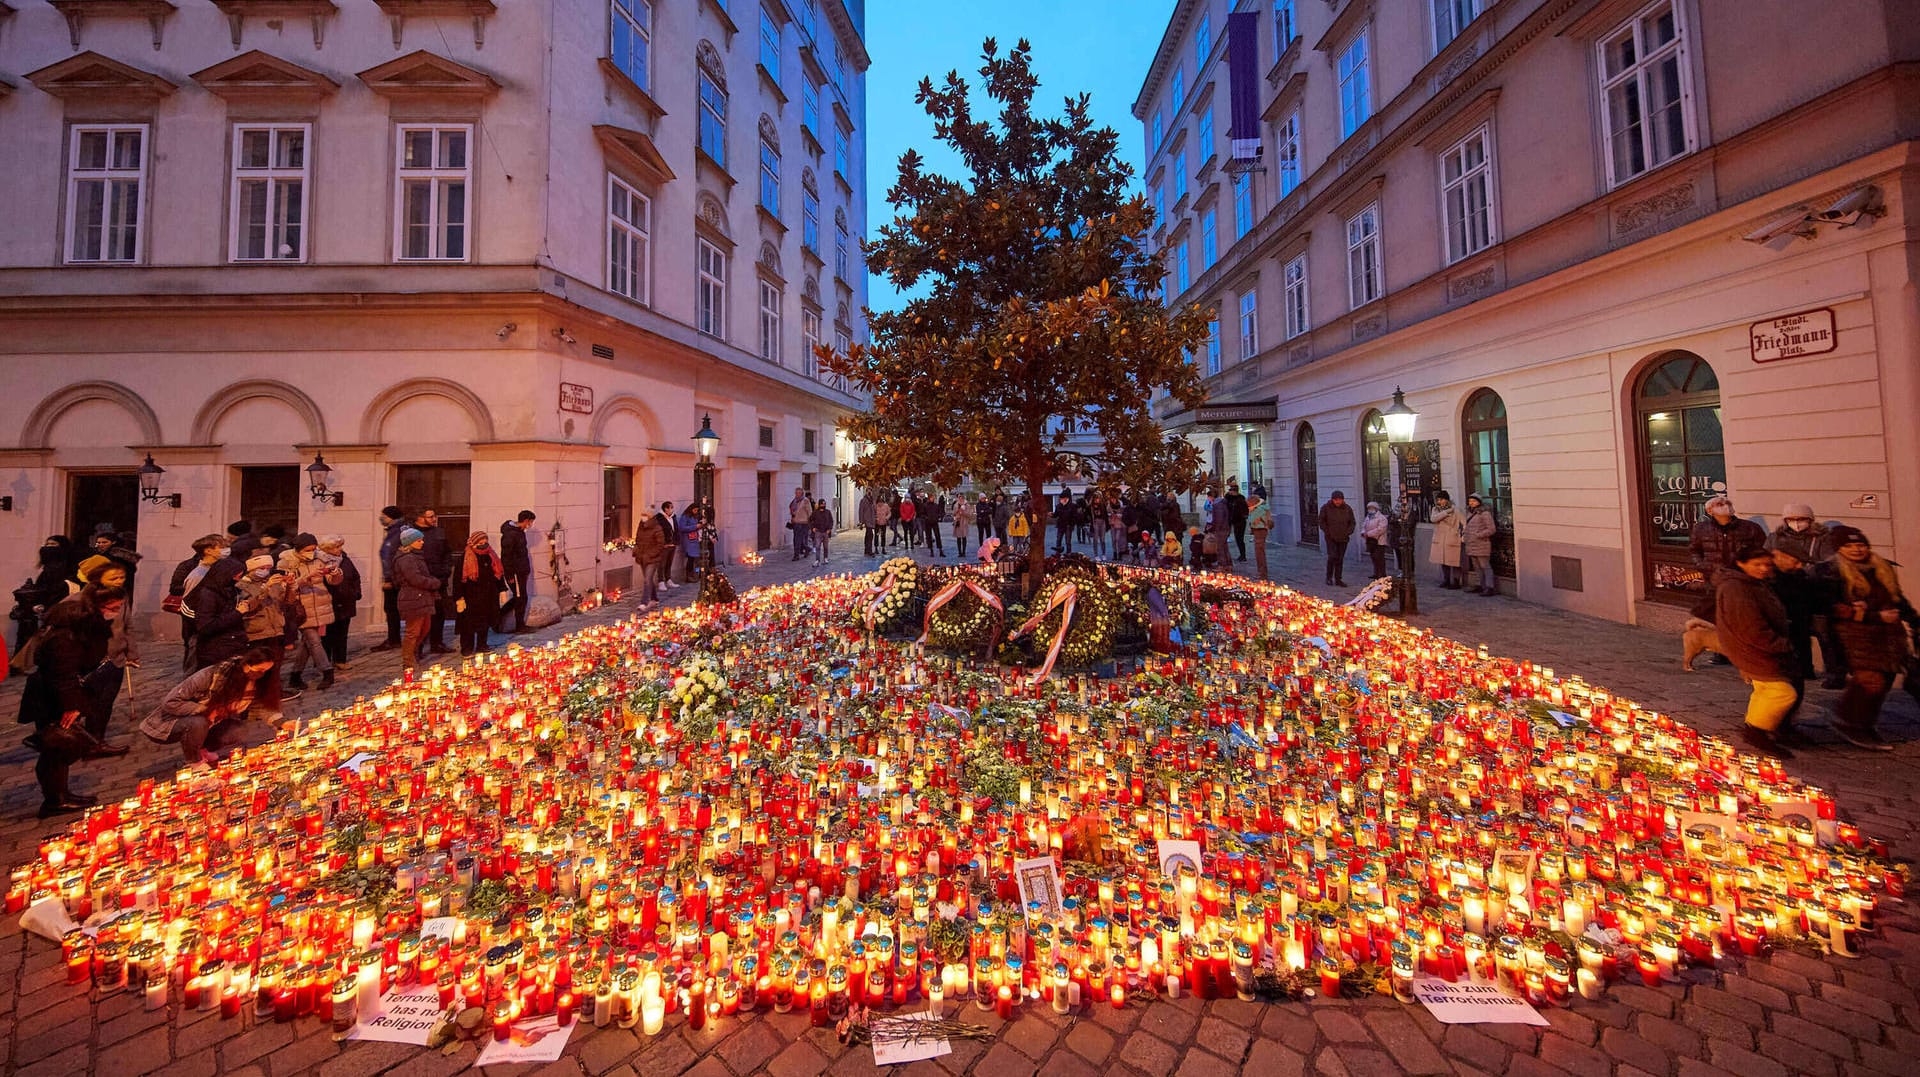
x,y
1448,545
346,596
1373,531
202,714
1237,516
820,524
392,523
686,531
1170,550
1752,624
1805,596
1808,540
208,550
863,514
1260,522
800,520
1220,530
669,533
1019,529
439,559
308,583
49,585
67,688
481,578
963,518
219,615
1719,535
267,596
649,543
909,514
1477,542
419,596
1336,530
933,513
1002,517
983,518
1868,614
518,564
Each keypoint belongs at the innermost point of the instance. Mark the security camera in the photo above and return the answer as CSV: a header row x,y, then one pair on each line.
x,y
506,330
1783,228
1850,207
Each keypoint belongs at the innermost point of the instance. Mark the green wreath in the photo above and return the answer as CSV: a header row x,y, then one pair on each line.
x,y
1096,617
965,624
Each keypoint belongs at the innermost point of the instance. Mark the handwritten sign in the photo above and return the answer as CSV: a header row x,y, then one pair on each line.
x,y
1176,854
542,1039
407,1015
1039,882
1809,332
1472,1003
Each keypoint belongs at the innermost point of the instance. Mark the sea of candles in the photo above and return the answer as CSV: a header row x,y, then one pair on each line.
x,y
540,831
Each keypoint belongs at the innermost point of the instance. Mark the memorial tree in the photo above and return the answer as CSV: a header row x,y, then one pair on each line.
x,y
1037,307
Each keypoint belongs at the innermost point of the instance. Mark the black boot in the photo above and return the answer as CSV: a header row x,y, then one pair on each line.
x,y
326,679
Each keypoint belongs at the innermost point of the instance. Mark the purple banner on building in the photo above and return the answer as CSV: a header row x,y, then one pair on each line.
x,y
1243,62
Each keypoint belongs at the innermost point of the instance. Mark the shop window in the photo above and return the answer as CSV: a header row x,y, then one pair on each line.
x,y
1376,461
1307,477
1682,465
1483,430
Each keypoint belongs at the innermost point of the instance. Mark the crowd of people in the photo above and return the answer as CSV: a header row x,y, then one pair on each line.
x,y
262,617
666,548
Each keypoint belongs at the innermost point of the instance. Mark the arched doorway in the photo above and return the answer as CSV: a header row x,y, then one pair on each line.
x,y
1376,461
1682,464
1483,430
1307,475
1219,457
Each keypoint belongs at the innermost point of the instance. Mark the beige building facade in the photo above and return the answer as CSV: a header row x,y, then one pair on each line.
x,y
476,256
1620,254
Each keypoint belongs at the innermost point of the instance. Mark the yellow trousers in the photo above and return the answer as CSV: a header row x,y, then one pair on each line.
x,y
1770,703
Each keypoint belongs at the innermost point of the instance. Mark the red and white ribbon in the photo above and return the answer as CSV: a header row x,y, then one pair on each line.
x,y
949,593
1065,595
871,598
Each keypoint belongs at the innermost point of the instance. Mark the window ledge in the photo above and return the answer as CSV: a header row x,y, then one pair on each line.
x,y
768,216
845,185
633,90
705,164
772,83
813,142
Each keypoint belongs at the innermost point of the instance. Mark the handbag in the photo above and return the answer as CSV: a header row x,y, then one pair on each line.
x,y
73,741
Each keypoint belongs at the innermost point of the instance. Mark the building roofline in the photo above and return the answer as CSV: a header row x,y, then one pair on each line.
x,y
1175,31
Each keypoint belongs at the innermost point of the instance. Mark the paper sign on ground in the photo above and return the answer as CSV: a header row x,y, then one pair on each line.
x,y
407,1015
539,1040
1472,1003
48,919
445,927
359,762
896,1051
1176,854
1039,881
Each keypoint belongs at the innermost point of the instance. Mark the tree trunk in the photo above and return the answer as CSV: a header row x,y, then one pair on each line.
x,y
1042,514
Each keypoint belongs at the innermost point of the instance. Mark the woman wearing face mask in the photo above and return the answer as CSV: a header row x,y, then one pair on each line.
x,y
66,688
1808,540
1867,616
187,576
478,593
219,615
203,712
266,595
34,598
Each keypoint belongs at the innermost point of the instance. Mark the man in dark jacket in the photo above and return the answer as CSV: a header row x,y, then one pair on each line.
x,y
67,688
420,592
650,550
1719,535
1237,516
1336,528
243,540
1805,597
1753,628
517,563
439,562
393,522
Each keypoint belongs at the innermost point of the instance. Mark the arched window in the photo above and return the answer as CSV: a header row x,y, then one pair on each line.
x,y
1376,461
1307,475
1483,431
1219,458
1683,464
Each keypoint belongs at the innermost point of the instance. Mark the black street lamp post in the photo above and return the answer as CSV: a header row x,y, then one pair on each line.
x,y
705,443
1400,421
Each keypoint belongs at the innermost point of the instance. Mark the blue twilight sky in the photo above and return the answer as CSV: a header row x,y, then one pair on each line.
x,y
1100,47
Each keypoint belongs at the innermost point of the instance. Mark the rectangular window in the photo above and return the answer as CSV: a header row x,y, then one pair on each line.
x,y
1249,324
616,503
1356,85
1288,142
627,228
1159,131
1213,345
269,194
1206,132
710,297
809,220
769,322
1364,284
809,340
1202,42
766,437
1160,203
841,162
1643,77
842,248
770,45
770,178
1450,17
106,168
1183,275
1179,87
1209,240
633,39
713,120
435,172
1466,195
1179,176
810,107
810,440
1296,279
1284,28
1242,204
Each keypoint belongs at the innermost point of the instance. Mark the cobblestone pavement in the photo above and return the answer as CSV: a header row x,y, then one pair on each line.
x,y
1784,1014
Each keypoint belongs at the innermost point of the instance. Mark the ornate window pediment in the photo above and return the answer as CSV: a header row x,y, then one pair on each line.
x,y
636,151
426,74
258,74
91,75
710,218
709,60
769,132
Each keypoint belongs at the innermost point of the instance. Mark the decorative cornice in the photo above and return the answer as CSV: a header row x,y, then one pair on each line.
x,y
427,74
77,12
93,76
636,151
256,74
399,11
317,11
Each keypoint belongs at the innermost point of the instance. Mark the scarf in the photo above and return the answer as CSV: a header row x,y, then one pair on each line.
x,y
471,569
1853,577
